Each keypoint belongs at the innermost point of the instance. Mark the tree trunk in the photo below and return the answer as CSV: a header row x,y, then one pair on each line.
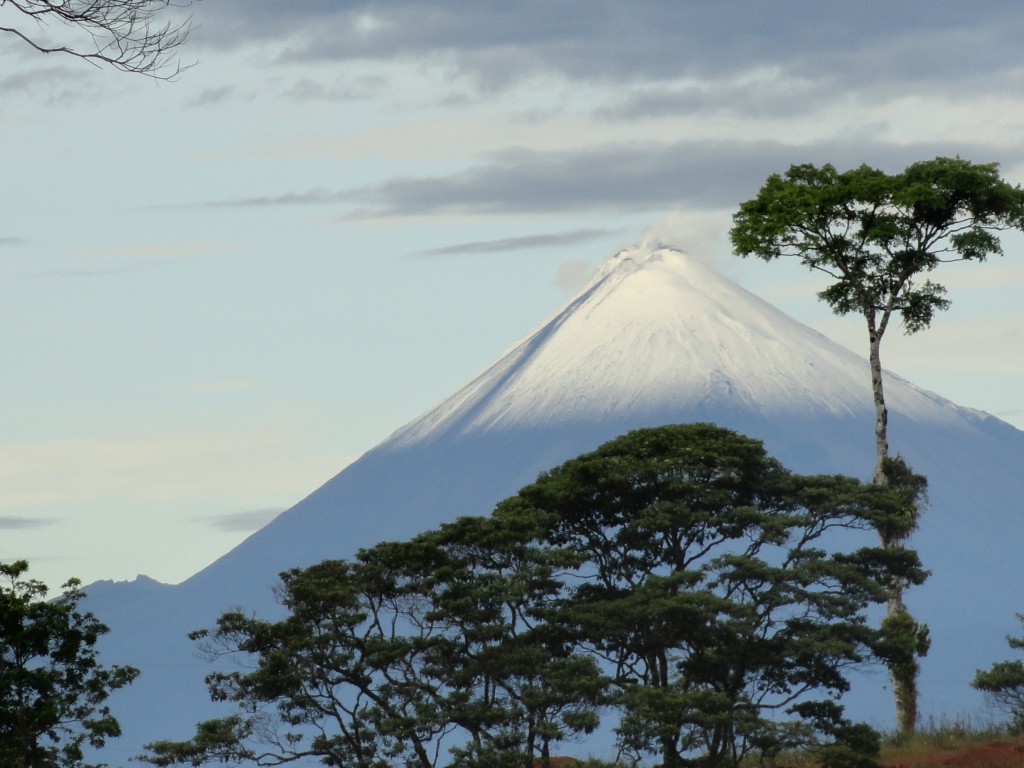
x,y
902,676
670,757
881,412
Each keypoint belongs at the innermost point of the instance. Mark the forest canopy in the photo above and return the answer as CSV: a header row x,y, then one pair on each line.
x,y
677,588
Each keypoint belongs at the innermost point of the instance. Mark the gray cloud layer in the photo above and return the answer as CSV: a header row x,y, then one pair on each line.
x,y
745,58
702,175
497,42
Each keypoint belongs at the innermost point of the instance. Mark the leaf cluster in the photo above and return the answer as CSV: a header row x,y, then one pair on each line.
x,y
879,235
1003,683
52,686
677,579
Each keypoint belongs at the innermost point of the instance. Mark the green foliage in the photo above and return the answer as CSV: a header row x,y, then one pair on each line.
x,y
678,577
413,650
715,588
1003,684
911,494
52,686
902,642
875,234
855,746
214,740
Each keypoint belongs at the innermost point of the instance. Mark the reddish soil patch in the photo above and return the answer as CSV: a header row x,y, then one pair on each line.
x,y
995,754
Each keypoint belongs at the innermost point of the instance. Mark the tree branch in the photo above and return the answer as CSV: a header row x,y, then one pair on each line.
x,y
124,34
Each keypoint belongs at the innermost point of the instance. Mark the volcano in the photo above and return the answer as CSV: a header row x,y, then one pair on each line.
x,y
656,337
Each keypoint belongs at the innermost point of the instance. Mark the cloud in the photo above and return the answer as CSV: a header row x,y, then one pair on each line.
x,y
11,242
128,258
703,175
316,196
550,240
244,521
496,43
15,523
26,73
86,272
31,80
700,235
209,96
761,95
158,468
339,89
152,252
573,274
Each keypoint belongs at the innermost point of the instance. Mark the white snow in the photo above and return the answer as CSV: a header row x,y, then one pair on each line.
x,y
656,329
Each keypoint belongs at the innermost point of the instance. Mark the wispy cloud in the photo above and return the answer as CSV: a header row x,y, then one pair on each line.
x,y
701,175
152,252
761,95
356,89
120,259
549,240
15,523
87,273
316,196
244,521
212,96
32,79
157,468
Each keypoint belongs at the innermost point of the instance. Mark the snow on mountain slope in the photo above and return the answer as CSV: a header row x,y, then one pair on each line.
x,y
652,329
660,329
655,338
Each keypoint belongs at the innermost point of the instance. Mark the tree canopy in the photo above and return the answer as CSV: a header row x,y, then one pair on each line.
x,y
677,582
130,35
52,686
878,236
719,589
1003,683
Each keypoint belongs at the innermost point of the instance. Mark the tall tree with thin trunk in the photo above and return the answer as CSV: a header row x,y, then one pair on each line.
x,y
878,237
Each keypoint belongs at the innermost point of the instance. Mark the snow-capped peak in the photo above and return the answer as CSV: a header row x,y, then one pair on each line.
x,y
655,329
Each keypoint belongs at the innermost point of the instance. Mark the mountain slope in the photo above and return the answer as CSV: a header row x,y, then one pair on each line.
x,y
650,331
654,338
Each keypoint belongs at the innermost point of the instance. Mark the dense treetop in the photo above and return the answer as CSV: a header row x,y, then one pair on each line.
x,y
677,583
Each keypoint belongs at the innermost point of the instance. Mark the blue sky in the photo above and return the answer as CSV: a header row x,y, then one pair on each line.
x,y
219,291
